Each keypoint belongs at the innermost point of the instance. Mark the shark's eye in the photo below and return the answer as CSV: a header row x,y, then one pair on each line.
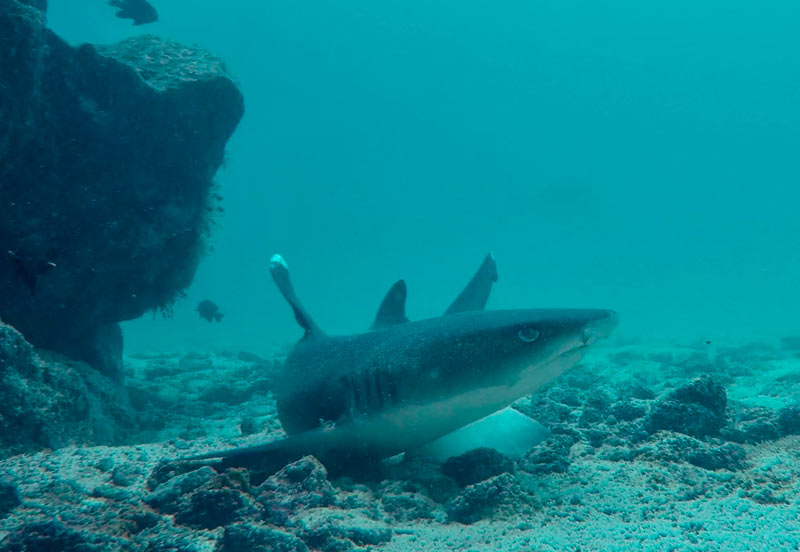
x,y
528,335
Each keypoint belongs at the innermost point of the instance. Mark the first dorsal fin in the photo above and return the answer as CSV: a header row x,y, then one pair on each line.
x,y
476,293
280,274
393,307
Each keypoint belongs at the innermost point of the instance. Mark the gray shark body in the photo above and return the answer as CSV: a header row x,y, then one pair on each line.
x,y
404,384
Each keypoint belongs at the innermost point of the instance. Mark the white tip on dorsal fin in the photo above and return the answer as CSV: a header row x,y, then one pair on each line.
x,y
280,274
278,260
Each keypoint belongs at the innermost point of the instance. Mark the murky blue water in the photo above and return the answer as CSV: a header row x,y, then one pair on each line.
x,y
635,156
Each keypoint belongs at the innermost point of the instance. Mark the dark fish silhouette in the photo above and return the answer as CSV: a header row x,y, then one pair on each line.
x,y
29,269
140,11
208,310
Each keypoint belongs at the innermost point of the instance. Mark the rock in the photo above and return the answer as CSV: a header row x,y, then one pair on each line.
x,y
551,456
9,498
696,409
635,390
410,506
53,535
211,508
258,538
627,411
38,4
420,475
167,543
477,465
545,410
247,356
728,457
168,494
705,391
49,401
125,475
789,420
299,485
106,163
677,447
754,425
332,530
499,495
248,426
105,464
229,393
204,499
671,447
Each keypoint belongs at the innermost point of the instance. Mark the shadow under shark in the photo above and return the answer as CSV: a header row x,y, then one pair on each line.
x,y
403,385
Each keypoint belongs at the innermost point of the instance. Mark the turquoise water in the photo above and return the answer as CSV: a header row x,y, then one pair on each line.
x,y
634,156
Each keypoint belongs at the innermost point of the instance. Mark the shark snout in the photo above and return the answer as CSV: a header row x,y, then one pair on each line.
x,y
600,327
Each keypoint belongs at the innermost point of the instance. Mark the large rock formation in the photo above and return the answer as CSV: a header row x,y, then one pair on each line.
x,y
107,156
47,401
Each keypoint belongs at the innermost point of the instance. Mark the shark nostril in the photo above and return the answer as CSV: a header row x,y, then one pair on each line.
x,y
528,335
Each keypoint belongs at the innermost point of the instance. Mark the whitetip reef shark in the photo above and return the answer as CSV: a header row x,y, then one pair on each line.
x,y
404,384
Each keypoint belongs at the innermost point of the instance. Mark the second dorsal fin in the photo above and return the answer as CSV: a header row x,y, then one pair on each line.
x,y
476,293
280,274
393,307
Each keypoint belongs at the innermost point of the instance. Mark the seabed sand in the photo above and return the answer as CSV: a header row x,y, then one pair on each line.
x,y
612,478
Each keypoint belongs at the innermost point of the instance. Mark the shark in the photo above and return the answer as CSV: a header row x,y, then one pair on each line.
x,y
404,384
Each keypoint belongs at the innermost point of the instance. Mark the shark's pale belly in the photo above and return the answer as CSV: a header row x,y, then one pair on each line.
x,y
407,426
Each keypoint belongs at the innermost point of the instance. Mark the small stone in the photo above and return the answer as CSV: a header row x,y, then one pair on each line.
x,y
696,409
299,485
125,476
789,420
169,494
248,426
551,456
9,498
211,508
627,411
105,464
499,495
247,356
168,543
331,530
53,535
258,538
754,425
728,457
705,391
409,506
477,465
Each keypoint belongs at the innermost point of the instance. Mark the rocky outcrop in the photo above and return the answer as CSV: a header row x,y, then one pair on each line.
x,y
107,156
50,402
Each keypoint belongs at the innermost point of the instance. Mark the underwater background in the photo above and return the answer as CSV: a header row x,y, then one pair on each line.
x,y
640,157
634,156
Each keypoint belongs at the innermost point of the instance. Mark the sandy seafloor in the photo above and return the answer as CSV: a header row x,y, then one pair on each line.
x,y
653,448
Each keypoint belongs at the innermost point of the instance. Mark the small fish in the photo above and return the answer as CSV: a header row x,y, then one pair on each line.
x,y
29,269
140,11
208,310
